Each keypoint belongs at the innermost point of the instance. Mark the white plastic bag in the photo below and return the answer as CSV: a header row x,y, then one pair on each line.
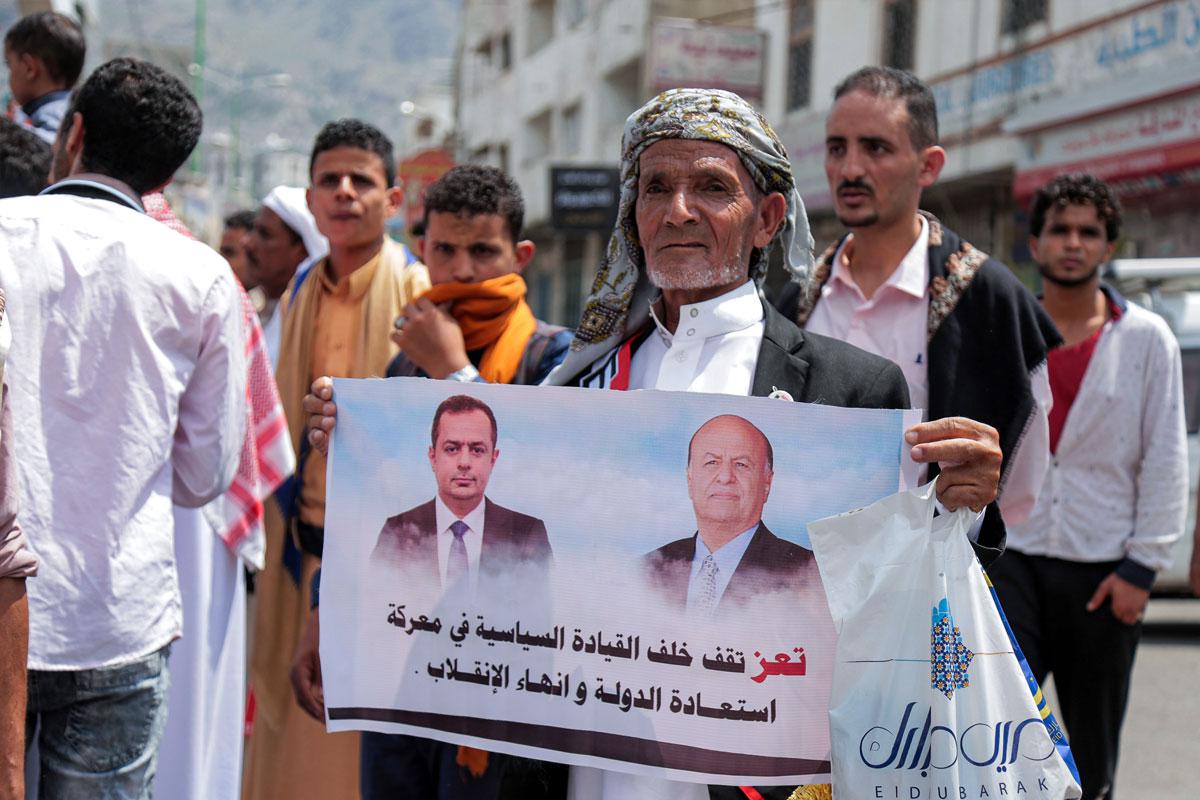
x,y
930,697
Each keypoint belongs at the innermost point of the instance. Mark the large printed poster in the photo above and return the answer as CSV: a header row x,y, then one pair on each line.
x,y
611,579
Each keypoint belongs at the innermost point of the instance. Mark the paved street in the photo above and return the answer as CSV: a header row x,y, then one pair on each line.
x,y
1160,750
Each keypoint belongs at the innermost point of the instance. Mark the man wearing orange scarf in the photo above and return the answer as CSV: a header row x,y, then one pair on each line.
x,y
475,322
472,325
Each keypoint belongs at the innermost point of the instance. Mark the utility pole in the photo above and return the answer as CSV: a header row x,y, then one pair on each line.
x,y
199,53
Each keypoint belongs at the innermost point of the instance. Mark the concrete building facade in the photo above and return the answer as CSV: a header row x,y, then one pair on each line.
x,y
1025,89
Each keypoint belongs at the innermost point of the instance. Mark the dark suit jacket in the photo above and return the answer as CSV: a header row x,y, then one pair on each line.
x,y
809,367
770,564
818,369
409,541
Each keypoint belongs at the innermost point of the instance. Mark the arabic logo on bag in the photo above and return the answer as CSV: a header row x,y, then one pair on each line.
x,y
949,657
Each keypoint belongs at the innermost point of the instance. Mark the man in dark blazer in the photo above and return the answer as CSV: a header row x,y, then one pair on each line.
x,y
460,534
733,557
707,193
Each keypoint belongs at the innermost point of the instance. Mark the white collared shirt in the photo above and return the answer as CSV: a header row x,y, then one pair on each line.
x,y
473,538
714,348
719,340
273,334
1118,484
128,382
728,556
894,323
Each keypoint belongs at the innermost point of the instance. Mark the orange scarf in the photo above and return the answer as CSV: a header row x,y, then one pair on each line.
x,y
495,318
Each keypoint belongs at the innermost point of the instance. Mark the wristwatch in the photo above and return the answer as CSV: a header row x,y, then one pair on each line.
x,y
467,374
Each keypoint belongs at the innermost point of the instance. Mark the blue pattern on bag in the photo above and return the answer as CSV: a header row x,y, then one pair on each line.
x,y
1054,730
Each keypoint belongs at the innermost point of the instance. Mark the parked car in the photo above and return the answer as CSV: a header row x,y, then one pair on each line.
x,y
1170,287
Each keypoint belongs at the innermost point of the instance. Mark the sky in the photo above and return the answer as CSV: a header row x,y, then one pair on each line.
x,y
604,470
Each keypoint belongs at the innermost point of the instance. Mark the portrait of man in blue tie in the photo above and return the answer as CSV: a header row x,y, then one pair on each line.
x,y
461,535
733,557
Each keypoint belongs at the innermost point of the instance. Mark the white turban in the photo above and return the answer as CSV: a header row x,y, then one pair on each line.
x,y
289,203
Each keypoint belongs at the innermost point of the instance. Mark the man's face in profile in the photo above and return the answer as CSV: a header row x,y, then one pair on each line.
x,y
273,252
728,476
463,457
233,248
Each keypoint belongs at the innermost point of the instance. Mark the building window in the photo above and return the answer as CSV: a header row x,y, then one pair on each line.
x,y
537,139
800,39
543,295
571,131
480,69
541,25
504,51
573,250
1020,14
574,11
899,33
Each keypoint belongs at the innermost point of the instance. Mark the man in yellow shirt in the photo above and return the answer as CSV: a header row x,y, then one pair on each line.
x,y
336,318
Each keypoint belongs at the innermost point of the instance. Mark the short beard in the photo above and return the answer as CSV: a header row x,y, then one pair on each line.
x,y
1068,283
860,223
692,279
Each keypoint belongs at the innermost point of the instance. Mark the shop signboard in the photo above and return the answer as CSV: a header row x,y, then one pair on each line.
x,y
690,53
584,198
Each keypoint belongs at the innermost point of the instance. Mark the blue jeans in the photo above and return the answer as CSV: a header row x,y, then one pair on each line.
x,y
98,729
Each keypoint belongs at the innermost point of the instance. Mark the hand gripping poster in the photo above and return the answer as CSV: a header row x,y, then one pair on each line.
x,y
611,579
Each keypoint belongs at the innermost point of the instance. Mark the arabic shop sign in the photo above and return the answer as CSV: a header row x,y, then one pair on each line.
x,y
584,198
691,53
1154,138
1153,37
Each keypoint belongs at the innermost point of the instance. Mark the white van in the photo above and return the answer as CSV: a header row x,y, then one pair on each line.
x,y
1170,287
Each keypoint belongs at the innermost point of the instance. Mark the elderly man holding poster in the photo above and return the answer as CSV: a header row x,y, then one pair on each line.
x,y
707,191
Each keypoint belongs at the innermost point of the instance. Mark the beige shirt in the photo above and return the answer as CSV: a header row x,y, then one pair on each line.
x,y
336,328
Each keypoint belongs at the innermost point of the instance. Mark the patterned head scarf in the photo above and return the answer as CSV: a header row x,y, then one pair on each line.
x,y
620,298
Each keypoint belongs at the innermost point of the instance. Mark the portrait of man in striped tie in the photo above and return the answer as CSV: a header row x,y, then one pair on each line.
x,y
732,557
460,537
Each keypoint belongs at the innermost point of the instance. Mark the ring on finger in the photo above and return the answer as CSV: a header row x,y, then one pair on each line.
x,y
398,324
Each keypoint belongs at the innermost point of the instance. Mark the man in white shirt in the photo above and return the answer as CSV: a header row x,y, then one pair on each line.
x,y
1076,577
971,340
128,375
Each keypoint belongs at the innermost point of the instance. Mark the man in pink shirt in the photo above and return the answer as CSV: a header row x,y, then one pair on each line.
x,y
971,341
